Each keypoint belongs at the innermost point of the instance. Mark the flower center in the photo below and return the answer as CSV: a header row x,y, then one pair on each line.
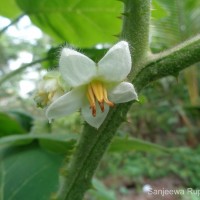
x,y
97,91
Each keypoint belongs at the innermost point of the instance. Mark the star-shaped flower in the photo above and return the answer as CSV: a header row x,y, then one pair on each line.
x,y
95,86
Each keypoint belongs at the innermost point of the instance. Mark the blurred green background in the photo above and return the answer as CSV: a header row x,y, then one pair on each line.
x,y
157,147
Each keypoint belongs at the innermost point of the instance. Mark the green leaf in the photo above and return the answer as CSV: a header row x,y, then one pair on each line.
x,y
28,172
23,118
9,125
52,142
9,9
132,144
158,10
81,23
180,23
59,144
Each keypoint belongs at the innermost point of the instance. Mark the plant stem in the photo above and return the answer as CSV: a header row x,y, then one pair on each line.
x,y
12,23
136,19
19,70
170,62
93,143
191,76
91,147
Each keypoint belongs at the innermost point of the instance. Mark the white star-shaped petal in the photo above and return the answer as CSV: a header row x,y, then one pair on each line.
x,y
95,87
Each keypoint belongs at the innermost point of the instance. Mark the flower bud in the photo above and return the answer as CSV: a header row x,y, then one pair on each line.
x,y
49,89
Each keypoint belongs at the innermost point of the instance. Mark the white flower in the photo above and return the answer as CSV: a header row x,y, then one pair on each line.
x,y
49,89
95,87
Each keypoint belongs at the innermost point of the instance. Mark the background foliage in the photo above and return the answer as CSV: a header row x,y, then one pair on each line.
x,y
32,150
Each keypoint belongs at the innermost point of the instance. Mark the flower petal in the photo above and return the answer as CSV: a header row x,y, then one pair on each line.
x,y
66,104
50,85
122,93
98,119
76,68
116,64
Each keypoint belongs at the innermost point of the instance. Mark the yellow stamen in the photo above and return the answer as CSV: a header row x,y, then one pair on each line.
x,y
97,91
50,95
111,104
91,99
101,104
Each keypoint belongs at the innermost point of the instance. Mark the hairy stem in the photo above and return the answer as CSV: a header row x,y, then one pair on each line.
x,y
91,147
136,19
93,143
76,178
170,62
